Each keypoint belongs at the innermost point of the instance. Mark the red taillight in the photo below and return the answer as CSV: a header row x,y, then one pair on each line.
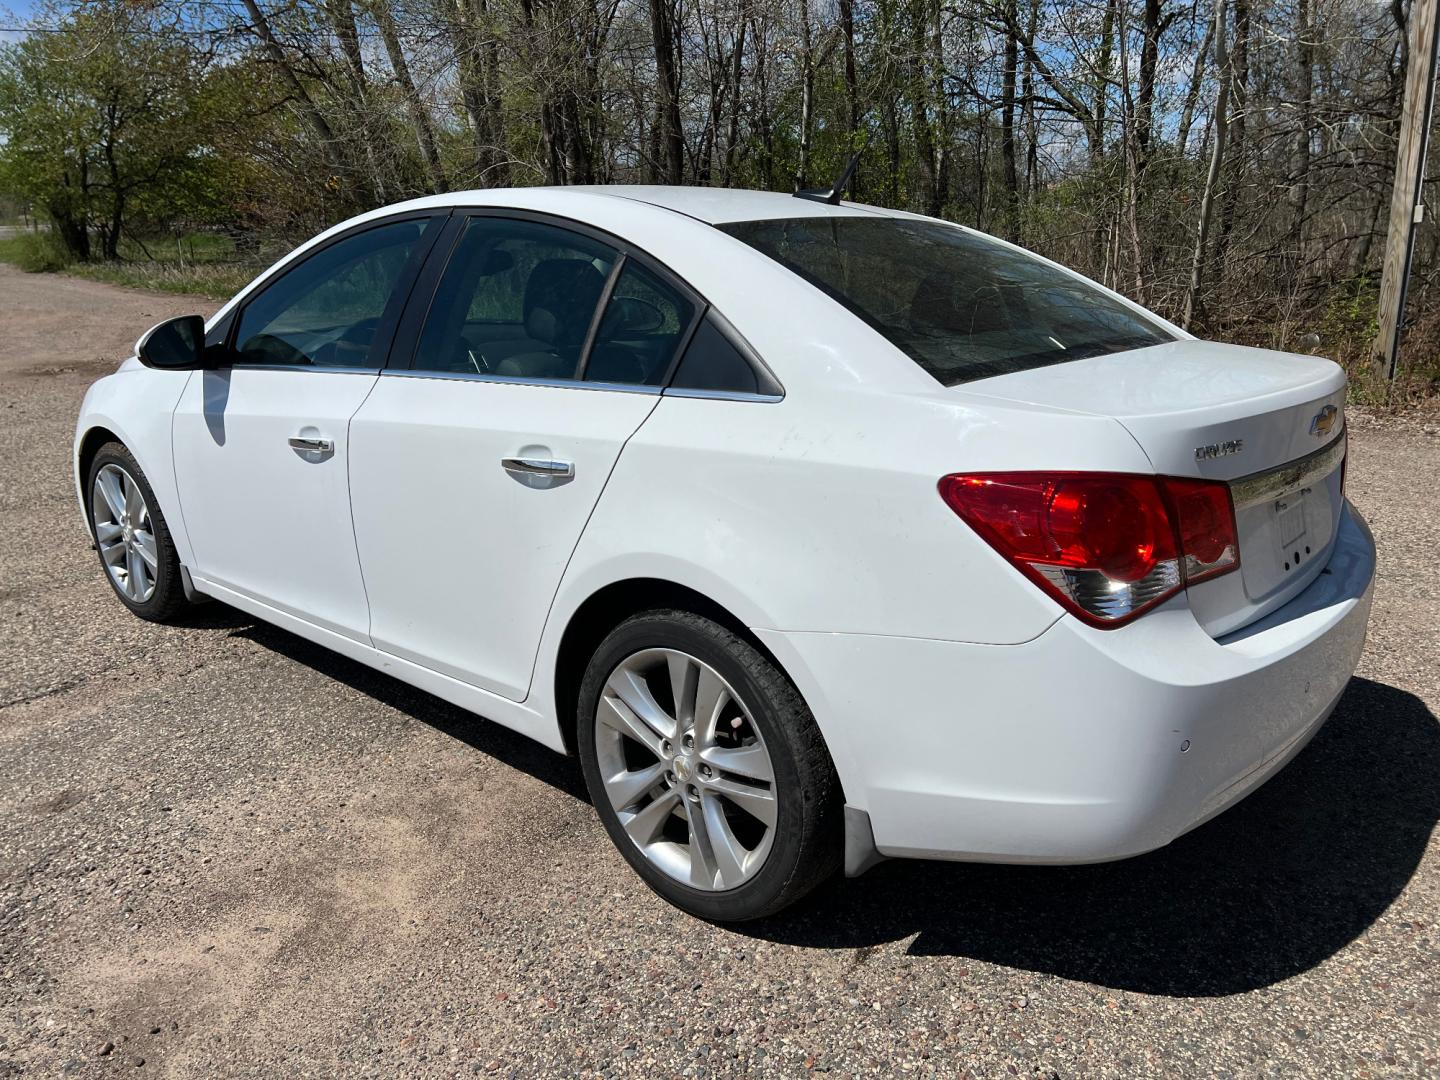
x,y
1107,546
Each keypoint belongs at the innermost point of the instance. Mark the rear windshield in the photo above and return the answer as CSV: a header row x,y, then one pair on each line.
x,y
960,305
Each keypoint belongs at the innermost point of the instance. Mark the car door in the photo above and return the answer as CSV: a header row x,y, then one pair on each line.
x,y
261,442
476,466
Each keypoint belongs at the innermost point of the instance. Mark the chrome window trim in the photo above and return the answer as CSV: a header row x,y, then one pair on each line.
x,y
519,380
722,395
1302,472
298,367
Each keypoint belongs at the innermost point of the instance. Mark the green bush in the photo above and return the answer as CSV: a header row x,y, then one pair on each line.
x,y
33,252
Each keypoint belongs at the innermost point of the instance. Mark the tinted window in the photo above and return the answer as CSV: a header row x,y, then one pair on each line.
x,y
641,330
711,362
326,310
962,306
517,298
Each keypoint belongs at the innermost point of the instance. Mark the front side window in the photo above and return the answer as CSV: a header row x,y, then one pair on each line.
x,y
959,304
325,311
517,299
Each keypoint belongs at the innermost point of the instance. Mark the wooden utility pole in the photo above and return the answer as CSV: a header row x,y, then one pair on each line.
x,y
1405,205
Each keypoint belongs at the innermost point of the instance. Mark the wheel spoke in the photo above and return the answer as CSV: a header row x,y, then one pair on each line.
x,y
145,544
759,803
106,531
113,554
711,697
134,501
727,853
630,687
684,674
702,859
645,826
750,762
134,569
624,788
617,715
109,488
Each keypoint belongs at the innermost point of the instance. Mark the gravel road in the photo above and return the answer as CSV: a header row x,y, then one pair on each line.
x,y
224,851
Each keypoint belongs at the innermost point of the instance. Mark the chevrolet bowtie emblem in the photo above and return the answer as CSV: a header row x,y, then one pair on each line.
x,y
1323,421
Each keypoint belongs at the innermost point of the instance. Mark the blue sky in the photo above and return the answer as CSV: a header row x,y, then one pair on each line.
x,y
14,13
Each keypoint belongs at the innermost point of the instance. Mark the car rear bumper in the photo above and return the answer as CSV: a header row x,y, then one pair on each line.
x,y
1082,745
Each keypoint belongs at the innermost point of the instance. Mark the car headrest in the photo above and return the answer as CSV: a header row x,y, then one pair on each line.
x,y
560,298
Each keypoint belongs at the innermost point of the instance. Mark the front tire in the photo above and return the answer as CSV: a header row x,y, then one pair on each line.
x,y
131,537
706,767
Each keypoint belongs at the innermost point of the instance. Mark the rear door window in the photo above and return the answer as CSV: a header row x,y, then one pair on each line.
x,y
643,325
961,305
517,299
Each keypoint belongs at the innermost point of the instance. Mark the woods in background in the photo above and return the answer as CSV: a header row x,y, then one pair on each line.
x,y
1227,162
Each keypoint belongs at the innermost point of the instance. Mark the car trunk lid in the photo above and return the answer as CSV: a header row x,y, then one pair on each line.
x,y
1270,424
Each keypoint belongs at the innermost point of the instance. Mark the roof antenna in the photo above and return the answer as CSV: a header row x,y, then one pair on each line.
x,y
832,194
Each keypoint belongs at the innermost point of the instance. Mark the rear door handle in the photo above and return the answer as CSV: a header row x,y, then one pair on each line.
x,y
323,446
524,466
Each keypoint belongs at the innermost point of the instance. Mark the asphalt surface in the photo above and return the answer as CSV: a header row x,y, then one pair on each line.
x,y
224,851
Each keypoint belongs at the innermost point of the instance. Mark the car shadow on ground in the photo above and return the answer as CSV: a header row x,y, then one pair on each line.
x,y
1266,891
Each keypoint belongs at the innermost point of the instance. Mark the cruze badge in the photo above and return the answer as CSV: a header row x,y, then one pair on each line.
x,y
1323,421
1220,449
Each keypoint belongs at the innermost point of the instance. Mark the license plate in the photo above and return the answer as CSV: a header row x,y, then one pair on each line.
x,y
1290,517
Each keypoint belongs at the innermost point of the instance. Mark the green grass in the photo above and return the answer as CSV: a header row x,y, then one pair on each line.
x,y
217,281
196,264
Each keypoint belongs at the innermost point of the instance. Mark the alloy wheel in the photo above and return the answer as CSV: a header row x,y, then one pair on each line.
x,y
686,769
124,533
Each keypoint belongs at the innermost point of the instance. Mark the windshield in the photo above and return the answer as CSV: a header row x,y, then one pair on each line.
x,y
959,304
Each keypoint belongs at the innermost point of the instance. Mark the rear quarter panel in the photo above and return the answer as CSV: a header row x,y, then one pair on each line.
x,y
820,512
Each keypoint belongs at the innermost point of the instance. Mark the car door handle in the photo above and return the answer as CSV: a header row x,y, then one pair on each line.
x,y
323,446
524,466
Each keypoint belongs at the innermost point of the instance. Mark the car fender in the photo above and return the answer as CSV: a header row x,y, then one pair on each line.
x,y
137,405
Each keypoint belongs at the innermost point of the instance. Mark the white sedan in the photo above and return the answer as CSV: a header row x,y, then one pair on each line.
x,y
819,533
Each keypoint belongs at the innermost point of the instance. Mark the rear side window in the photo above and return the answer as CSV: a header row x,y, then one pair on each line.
x,y
959,304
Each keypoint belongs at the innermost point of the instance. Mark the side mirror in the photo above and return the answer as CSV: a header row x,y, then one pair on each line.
x,y
175,344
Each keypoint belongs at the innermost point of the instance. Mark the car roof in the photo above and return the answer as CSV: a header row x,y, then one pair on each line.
x,y
715,206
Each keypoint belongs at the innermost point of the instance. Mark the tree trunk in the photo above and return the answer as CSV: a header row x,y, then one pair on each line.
x,y
424,129
309,111
737,75
1299,193
1010,212
1102,82
807,96
1234,171
667,77
1194,296
1151,30
1027,111
852,85
1192,95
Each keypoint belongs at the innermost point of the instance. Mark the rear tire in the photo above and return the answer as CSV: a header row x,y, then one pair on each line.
x,y
131,536
752,845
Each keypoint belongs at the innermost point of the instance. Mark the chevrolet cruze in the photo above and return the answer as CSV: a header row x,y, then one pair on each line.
x,y
819,533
